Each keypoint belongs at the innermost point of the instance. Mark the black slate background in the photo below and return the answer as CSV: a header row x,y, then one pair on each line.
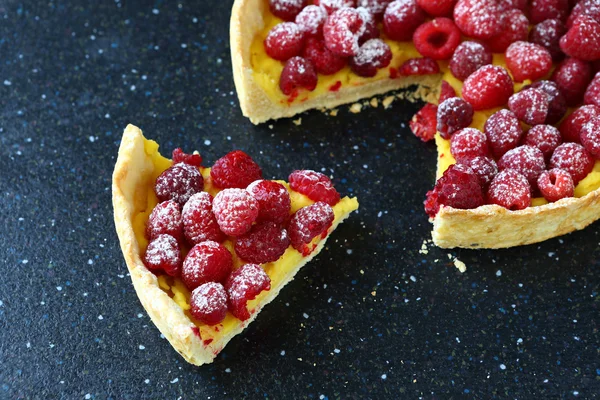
x,y
371,317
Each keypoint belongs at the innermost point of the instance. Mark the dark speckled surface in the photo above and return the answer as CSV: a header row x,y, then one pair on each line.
x,y
371,317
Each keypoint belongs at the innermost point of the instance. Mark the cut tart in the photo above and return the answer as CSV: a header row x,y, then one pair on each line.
x,y
184,250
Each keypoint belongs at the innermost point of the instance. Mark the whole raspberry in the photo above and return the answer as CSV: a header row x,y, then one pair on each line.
x,y
484,167
424,123
437,8
542,10
582,40
235,211
244,284
503,132
179,156
178,182
286,9
468,58
590,137
297,73
574,159
314,185
481,19
446,92
506,5
453,115
592,94
284,41
165,219
548,33
510,190
374,54
458,187
570,128
311,20
572,77
308,223
208,303
557,105
163,254
333,5
469,142
515,29
526,160
488,87
530,106
235,170
401,19
545,137
555,184
591,8
376,7
370,30
342,31
528,61
273,200
419,66
206,262
265,242
437,39
199,222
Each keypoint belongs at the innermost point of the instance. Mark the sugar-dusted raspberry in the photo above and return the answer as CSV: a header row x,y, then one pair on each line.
x,y
572,77
419,66
178,182
590,137
526,160
542,10
208,303
591,8
297,73
311,20
308,223
437,8
515,29
199,222
333,5
244,284
574,159
424,123
206,262
266,242
468,58
446,92
314,185
555,184
287,9
191,159
557,105
376,7
545,137
273,200
370,30
284,41
506,5
469,142
592,93
342,31
481,19
374,54
163,254
324,61
235,211
402,18
530,106
582,40
458,187
528,61
453,115
437,39
484,167
547,33
503,132
488,87
235,169
570,128
165,218
510,190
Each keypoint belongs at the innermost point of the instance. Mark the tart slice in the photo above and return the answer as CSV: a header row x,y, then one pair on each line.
x,y
169,225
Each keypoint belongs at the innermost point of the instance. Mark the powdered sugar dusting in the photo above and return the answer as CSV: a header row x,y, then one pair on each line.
x,y
311,19
209,298
235,210
372,52
199,222
245,284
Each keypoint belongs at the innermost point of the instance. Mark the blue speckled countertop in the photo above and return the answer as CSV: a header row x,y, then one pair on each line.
x,y
373,317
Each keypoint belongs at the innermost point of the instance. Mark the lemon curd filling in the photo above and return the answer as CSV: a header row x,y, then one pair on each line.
x,y
277,271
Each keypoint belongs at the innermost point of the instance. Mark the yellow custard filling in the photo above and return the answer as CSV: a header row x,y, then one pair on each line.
x,y
277,270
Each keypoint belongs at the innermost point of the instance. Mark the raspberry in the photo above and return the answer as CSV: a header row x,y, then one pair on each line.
x,y
311,20
199,222
528,61
530,106
469,142
297,73
453,115
481,19
244,284
570,128
572,77
372,55
574,159
526,160
557,105
273,200
284,41
163,254
179,156
484,167
503,132
458,187
591,8
590,137
342,30
437,39
592,93
516,29
419,66
545,137
547,34
510,190
555,184
333,5
401,19
165,219
178,182
468,58
582,40
437,8
235,169
206,262
308,223
265,242
208,303
235,211
424,123
286,9
314,185
506,5
488,87
446,92
542,10
370,30
376,7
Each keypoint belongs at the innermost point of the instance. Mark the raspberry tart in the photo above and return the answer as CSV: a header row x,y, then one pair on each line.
x,y
206,248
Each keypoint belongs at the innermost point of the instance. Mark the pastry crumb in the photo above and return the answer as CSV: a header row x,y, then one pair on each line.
x,y
388,101
424,249
297,122
355,108
270,126
334,112
461,266
374,102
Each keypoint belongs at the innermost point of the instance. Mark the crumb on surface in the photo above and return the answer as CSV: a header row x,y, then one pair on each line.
x,y
461,266
388,101
355,108
334,112
298,121
374,102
